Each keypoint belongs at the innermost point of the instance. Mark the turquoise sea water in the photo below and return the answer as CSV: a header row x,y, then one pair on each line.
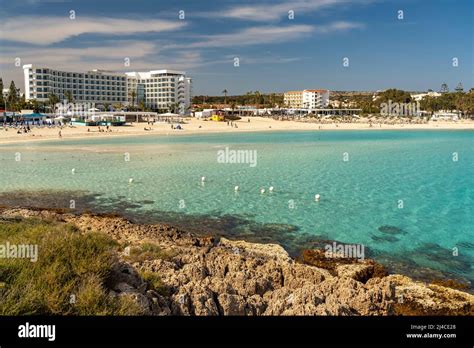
x,y
400,193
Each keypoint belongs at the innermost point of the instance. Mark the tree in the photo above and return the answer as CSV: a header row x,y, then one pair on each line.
x,y
53,99
394,95
133,95
465,103
2,100
366,103
257,96
68,95
34,105
233,105
225,95
444,88
12,98
430,104
248,97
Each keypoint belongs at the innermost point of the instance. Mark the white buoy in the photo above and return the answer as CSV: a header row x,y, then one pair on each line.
x,y
130,180
262,191
203,179
73,171
236,188
317,197
270,189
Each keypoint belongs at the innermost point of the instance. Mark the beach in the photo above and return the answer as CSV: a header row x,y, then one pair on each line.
x,y
199,126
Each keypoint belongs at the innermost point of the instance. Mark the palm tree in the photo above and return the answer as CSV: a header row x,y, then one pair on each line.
x,y
68,95
257,99
225,96
53,100
133,95
249,95
172,107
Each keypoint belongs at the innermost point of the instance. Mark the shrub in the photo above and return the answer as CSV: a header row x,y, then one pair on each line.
x,y
67,277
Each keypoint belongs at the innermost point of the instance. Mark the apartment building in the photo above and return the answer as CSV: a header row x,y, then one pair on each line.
x,y
293,99
307,99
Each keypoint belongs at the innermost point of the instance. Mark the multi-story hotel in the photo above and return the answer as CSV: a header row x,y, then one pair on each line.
x,y
307,99
158,89
96,86
162,89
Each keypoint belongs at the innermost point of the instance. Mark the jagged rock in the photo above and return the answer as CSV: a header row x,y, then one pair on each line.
x,y
210,277
418,299
232,304
124,278
271,251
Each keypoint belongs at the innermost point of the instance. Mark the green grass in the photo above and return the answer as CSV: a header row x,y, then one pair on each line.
x,y
72,267
148,252
154,282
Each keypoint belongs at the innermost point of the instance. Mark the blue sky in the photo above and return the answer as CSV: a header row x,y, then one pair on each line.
x,y
275,53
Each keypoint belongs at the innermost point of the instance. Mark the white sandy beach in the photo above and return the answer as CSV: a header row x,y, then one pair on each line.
x,y
198,126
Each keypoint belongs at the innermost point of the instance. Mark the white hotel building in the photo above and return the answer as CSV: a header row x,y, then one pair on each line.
x,y
162,88
307,99
158,89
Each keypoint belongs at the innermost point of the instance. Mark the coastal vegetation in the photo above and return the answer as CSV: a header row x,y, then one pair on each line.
x,y
262,100
369,102
68,277
83,272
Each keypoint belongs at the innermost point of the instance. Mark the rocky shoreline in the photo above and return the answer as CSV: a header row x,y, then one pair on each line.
x,y
217,276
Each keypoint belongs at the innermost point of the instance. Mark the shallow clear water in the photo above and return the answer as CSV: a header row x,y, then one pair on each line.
x,y
358,196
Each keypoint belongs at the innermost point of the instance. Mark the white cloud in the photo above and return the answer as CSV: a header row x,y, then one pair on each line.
x,y
114,51
267,35
255,35
274,11
45,30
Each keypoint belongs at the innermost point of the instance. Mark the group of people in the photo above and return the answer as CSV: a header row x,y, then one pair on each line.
x,y
232,124
102,130
23,130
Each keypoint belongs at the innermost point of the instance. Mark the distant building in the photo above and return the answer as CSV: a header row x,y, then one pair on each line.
x,y
420,96
158,89
162,89
307,99
96,86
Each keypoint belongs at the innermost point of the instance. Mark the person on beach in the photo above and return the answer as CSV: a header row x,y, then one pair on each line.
x,y
60,135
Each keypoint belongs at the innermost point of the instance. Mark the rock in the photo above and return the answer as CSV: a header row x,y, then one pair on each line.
x,y
124,278
273,251
206,277
415,298
232,304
